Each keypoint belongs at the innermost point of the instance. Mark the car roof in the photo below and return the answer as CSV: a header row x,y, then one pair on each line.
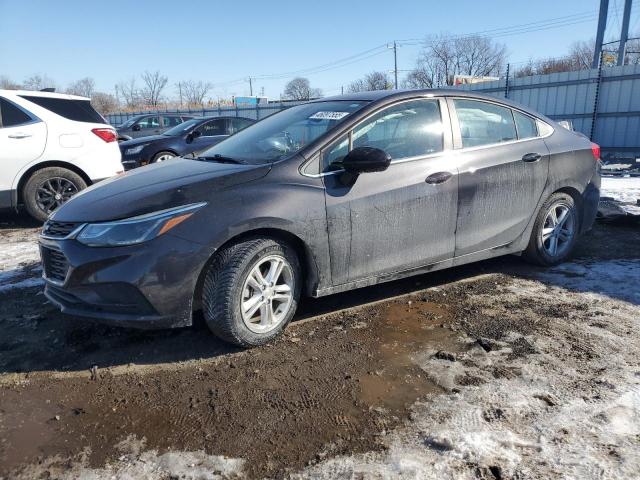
x,y
35,93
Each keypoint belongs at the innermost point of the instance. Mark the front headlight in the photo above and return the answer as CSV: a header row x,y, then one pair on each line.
x,y
134,150
136,229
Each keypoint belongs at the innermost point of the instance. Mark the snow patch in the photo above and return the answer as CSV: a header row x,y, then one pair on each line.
x,y
625,190
19,260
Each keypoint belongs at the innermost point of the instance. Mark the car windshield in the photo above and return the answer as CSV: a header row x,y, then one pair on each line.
x,y
184,127
283,134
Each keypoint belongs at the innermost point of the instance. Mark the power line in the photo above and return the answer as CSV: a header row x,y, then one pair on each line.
x,y
530,27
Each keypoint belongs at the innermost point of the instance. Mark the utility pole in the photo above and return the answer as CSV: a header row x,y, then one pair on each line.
x,y
624,34
250,87
395,62
602,25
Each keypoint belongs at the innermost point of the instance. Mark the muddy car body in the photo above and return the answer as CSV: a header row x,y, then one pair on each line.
x,y
324,197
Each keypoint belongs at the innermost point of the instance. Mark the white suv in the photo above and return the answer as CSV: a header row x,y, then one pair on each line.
x,y
51,146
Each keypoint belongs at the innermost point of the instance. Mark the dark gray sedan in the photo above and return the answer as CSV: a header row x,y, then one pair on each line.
x,y
323,197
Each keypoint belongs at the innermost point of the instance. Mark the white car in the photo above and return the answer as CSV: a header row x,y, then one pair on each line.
x,y
51,146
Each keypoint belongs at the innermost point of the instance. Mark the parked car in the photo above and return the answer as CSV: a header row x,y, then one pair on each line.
x,y
323,197
51,147
192,136
149,124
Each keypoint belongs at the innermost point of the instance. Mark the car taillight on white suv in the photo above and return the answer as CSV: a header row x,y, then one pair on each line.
x,y
595,149
107,134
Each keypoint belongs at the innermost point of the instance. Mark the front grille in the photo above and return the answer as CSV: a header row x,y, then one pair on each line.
x,y
55,264
58,229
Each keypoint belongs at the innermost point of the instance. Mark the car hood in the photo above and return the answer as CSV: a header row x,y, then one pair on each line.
x,y
142,140
156,187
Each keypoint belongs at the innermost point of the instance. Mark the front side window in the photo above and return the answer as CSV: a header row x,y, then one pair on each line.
x,y
483,123
526,125
11,115
171,121
285,133
149,122
213,128
409,129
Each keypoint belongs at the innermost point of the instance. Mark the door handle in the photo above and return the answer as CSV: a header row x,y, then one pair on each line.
x,y
438,178
531,157
20,135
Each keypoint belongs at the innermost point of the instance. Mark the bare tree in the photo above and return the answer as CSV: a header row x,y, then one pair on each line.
x,y
300,89
38,82
7,84
371,81
581,54
128,92
83,87
104,102
444,57
193,92
154,84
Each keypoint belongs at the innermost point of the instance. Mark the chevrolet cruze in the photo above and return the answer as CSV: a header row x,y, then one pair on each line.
x,y
323,197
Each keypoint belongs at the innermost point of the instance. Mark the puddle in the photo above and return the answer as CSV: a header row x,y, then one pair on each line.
x,y
407,328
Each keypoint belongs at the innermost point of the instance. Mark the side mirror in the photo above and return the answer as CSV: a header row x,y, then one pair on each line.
x,y
366,159
136,128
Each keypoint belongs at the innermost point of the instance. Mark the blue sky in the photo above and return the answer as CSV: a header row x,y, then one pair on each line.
x,y
222,42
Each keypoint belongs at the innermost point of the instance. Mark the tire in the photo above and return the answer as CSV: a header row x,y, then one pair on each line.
x,y
49,188
228,286
540,251
158,157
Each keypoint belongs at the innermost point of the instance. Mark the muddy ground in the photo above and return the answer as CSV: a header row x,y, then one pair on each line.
x,y
357,387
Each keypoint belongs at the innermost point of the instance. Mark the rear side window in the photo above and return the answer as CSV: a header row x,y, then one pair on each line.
x,y
238,124
149,122
76,110
483,123
12,116
526,125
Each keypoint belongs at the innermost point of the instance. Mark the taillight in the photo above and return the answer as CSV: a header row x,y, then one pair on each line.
x,y
595,149
106,134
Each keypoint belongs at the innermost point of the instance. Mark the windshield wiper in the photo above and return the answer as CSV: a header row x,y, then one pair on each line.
x,y
220,159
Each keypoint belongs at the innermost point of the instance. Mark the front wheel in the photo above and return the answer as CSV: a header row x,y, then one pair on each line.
x,y
555,231
48,189
251,291
162,156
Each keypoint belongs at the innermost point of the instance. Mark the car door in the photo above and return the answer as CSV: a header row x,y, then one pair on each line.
x,y
401,218
503,168
23,137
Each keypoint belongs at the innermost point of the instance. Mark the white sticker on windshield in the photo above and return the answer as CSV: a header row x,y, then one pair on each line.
x,y
328,115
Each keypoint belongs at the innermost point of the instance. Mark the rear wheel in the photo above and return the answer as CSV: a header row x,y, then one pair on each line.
x,y
162,156
555,231
251,291
48,189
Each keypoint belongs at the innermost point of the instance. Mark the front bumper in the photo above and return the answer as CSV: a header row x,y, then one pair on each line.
x,y
129,162
149,285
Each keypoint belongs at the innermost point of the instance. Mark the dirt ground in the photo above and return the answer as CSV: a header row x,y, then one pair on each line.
x,y
494,370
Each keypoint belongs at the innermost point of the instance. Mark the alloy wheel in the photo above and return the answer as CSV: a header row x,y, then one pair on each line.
x,y
162,158
558,229
53,192
267,294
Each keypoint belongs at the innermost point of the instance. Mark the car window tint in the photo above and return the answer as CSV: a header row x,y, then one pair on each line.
x,y
238,124
76,110
171,121
212,128
149,122
526,125
483,123
12,116
408,129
